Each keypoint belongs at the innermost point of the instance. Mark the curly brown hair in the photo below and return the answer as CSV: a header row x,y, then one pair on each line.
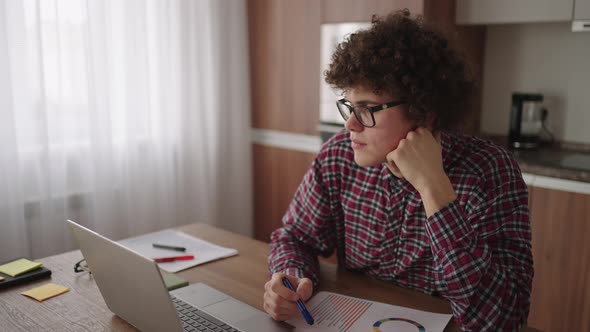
x,y
402,56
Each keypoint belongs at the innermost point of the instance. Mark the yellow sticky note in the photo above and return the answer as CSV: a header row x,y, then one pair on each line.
x,y
45,292
19,266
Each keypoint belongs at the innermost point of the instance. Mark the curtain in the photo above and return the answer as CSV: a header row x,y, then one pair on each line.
x,y
125,116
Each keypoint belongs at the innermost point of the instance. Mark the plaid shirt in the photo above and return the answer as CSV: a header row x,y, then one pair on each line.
x,y
475,252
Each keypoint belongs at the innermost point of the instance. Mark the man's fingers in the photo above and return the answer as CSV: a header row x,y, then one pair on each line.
x,y
278,308
276,286
279,301
284,293
280,305
305,289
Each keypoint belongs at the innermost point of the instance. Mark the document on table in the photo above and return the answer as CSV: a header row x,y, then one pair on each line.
x,y
202,250
339,313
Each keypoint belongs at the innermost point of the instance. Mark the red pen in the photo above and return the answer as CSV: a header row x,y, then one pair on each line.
x,y
173,258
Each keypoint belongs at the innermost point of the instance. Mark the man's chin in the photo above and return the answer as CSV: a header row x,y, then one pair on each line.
x,y
365,162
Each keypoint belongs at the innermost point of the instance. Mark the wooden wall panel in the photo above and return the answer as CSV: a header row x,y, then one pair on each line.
x,y
277,174
561,288
469,42
285,64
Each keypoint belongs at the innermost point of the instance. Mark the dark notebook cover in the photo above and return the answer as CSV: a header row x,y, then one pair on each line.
x,y
9,281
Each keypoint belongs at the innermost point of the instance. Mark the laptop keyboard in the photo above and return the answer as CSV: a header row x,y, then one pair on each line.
x,y
197,320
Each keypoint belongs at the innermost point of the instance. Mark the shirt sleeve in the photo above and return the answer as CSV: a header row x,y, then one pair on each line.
x,y
307,230
484,253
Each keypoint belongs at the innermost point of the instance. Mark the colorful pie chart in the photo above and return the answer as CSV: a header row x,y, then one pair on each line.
x,y
377,324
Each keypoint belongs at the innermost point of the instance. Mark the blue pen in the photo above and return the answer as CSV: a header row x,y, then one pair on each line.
x,y
300,304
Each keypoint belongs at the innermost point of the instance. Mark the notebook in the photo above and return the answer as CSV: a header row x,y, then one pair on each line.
x,y
9,281
127,279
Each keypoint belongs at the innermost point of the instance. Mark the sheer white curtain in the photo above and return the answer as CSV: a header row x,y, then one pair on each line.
x,y
127,116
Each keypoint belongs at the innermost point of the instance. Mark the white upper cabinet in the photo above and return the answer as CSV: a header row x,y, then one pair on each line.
x,y
516,11
582,10
581,16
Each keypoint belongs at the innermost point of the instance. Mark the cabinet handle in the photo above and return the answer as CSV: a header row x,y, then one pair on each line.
x,y
580,25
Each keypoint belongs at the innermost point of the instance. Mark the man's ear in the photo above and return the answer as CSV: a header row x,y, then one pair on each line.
x,y
429,121
437,136
426,120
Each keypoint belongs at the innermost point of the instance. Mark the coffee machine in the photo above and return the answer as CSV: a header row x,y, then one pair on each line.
x,y
527,121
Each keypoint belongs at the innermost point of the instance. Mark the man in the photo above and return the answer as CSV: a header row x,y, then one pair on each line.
x,y
400,197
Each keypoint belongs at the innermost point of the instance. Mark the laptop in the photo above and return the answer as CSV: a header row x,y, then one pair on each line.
x,y
134,290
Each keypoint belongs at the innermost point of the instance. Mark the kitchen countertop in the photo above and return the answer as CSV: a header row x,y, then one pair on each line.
x,y
563,164
563,160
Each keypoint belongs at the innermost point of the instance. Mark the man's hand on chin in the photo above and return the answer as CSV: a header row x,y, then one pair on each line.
x,y
418,159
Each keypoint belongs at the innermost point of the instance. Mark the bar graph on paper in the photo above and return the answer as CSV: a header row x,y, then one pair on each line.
x,y
339,312
334,312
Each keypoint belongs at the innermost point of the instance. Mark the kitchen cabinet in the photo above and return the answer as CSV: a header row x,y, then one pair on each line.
x,y
560,222
513,11
582,10
581,16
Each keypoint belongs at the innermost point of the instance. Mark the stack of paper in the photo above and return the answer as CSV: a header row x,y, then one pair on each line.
x,y
202,250
341,313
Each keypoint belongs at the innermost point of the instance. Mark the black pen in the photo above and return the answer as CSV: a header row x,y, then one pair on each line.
x,y
299,303
164,246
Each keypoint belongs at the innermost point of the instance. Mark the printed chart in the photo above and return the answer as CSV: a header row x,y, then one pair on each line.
x,y
377,325
339,313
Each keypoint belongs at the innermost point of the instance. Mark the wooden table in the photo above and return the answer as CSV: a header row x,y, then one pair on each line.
x,y
242,276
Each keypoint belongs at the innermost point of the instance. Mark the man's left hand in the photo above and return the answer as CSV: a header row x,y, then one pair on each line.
x,y
418,157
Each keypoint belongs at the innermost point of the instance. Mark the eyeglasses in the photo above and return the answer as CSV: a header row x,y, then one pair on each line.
x,y
364,114
81,266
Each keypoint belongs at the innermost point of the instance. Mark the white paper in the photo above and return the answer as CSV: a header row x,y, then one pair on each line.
x,y
202,250
339,313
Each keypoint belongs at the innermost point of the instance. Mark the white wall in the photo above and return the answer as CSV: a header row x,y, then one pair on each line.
x,y
546,58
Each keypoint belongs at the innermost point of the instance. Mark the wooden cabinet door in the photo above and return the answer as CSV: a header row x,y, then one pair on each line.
x,y
277,174
561,251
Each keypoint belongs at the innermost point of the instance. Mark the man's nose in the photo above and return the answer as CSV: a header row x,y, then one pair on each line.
x,y
353,124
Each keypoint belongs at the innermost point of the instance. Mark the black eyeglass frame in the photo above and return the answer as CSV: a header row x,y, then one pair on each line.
x,y
81,266
371,109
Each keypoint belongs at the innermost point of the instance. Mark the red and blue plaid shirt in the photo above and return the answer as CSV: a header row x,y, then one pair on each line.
x,y
475,252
